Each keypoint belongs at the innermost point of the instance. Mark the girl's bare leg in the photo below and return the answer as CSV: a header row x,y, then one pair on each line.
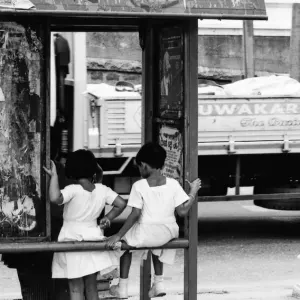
x,y
76,287
90,285
157,289
158,265
125,263
121,290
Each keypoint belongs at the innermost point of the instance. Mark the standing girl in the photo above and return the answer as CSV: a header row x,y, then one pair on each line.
x,y
83,203
154,200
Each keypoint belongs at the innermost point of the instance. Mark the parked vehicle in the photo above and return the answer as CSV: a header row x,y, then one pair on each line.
x,y
249,134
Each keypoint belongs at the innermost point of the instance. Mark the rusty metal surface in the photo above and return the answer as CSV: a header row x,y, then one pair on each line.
x,y
26,247
251,9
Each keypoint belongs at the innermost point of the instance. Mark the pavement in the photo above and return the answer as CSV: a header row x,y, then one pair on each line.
x,y
244,252
174,279
268,291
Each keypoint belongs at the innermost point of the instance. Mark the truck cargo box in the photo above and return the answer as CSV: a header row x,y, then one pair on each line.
x,y
248,125
266,120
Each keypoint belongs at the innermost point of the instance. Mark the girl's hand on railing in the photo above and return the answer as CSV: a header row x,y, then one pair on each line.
x,y
111,241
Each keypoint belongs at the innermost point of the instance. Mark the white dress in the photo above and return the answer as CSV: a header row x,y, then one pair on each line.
x,y
157,224
81,210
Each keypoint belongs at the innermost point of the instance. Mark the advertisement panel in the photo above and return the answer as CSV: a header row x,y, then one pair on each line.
x,y
171,73
22,210
190,8
171,140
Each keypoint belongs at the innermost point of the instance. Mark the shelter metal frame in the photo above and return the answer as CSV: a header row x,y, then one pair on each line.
x,y
148,25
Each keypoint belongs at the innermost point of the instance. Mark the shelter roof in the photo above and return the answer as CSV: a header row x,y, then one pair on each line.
x,y
202,9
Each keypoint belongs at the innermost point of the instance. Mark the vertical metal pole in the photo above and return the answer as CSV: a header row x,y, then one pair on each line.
x,y
191,152
80,103
52,82
46,113
148,79
248,48
147,131
145,277
237,175
295,43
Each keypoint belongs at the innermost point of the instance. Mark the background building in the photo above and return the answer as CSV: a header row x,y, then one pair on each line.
x,y
219,46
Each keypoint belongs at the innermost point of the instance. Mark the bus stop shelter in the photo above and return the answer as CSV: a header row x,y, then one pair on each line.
x,y
168,31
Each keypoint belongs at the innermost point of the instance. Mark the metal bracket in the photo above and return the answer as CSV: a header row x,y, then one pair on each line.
x,y
118,149
142,35
231,149
117,172
286,144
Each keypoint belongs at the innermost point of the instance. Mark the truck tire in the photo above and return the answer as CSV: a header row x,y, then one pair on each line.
x,y
284,204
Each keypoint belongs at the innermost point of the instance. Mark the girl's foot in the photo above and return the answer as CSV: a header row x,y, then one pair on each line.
x,y
157,290
117,292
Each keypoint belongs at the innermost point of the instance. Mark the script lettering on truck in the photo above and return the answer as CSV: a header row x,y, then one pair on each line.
x,y
248,115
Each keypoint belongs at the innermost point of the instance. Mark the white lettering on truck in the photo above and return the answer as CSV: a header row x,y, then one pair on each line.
x,y
245,110
207,111
260,109
225,109
248,109
291,108
249,115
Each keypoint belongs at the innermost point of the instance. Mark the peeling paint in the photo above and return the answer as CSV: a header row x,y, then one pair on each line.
x,y
20,131
236,3
197,7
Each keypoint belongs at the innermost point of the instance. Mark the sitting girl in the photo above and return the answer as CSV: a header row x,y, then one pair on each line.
x,y
154,200
83,203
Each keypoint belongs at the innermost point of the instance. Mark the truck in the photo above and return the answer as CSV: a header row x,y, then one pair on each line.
x,y
250,140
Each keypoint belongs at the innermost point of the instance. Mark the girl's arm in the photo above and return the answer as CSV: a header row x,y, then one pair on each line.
x,y
55,195
183,209
130,221
119,205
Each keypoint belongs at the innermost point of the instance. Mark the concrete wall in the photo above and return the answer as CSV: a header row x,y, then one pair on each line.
x,y
117,56
221,57
113,57
219,45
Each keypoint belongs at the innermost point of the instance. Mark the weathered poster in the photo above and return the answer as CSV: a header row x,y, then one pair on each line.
x,y
171,73
171,140
193,8
21,208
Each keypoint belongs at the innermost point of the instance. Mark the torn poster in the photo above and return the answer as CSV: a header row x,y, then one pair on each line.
x,y
171,140
21,210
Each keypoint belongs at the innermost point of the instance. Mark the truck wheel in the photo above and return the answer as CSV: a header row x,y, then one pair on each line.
x,y
284,204
288,204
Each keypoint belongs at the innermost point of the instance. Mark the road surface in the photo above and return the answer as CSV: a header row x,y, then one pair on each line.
x,y
244,252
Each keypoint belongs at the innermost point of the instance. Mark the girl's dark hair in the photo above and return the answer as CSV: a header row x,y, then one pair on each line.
x,y
152,154
81,164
